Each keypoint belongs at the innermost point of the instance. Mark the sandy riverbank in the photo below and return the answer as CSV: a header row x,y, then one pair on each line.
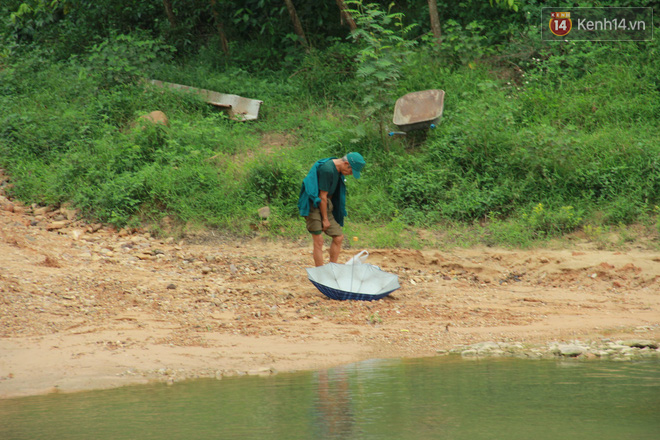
x,y
85,307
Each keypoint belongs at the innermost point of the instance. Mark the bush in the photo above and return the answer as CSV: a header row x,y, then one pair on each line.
x,y
552,223
124,59
276,180
329,74
570,127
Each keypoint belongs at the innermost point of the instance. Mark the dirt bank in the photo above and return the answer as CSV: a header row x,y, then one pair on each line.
x,y
85,307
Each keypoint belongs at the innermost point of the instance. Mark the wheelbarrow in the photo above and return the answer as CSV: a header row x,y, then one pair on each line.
x,y
418,111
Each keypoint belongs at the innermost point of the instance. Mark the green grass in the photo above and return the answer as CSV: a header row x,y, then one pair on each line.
x,y
565,145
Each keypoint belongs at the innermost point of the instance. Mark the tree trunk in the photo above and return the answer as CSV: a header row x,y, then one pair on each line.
x,y
169,12
435,21
346,16
221,32
296,23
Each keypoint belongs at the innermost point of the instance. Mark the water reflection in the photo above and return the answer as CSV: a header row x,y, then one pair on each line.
x,y
438,398
334,413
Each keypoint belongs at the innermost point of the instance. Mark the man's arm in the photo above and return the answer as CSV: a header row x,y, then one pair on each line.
x,y
323,207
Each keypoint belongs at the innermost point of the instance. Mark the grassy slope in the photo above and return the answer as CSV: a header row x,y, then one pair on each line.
x,y
522,155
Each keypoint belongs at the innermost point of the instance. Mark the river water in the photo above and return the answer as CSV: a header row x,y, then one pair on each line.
x,y
434,398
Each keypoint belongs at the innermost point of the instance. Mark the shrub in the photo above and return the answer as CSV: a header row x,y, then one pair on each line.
x,y
552,223
276,180
125,58
329,74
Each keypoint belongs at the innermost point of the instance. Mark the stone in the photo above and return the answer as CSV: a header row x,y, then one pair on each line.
x,y
41,211
71,214
487,346
264,212
56,225
157,118
639,343
76,234
570,350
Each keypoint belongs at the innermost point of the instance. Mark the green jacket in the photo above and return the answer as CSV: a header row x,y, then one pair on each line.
x,y
309,194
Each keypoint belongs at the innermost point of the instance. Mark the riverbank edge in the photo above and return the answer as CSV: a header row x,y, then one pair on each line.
x,y
604,349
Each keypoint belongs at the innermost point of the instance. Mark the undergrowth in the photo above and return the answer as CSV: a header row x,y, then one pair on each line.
x,y
538,141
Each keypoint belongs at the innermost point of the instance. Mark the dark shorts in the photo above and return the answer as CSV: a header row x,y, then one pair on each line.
x,y
315,224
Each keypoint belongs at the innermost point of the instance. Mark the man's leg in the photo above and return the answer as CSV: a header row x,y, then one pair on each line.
x,y
335,248
317,239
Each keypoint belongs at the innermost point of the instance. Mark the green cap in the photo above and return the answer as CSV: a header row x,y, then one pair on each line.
x,y
357,163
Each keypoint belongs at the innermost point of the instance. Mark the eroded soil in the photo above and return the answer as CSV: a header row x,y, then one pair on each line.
x,y
85,307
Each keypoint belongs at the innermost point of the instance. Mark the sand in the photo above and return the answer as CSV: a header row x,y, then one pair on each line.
x,y
85,307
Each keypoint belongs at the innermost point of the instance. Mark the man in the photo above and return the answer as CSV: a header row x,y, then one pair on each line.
x,y
323,201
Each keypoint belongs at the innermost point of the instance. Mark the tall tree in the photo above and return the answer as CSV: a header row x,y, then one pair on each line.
x,y
169,12
435,21
346,15
220,28
296,24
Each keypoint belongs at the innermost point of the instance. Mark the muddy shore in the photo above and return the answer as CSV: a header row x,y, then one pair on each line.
x,y
86,307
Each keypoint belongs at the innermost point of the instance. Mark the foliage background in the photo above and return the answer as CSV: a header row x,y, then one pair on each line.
x,y
538,140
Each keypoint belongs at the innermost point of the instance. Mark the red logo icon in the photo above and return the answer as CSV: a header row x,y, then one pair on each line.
x,y
560,23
